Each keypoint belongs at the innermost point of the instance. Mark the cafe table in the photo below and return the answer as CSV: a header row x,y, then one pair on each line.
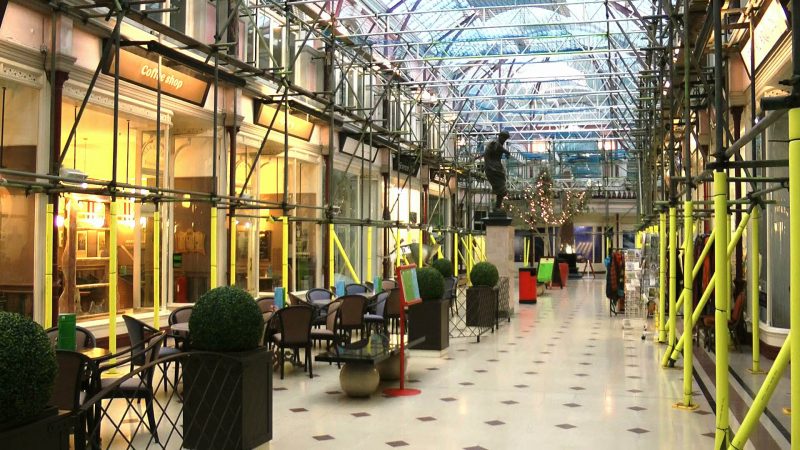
x,y
359,376
95,353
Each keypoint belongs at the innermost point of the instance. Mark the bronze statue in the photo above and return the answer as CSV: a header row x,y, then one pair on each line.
x,y
493,167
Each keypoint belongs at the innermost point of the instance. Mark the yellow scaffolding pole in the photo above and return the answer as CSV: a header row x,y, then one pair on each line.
x,y
331,257
345,258
468,249
369,254
232,262
397,249
755,310
794,269
662,278
420,243
764,394
285,254
455,254
709,290
722,269
48,267
157,268
673,279
112,278
439,253
214,281
688,282
698,265
525,252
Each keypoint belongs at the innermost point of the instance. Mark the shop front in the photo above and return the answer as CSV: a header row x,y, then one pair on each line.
x,y
23,113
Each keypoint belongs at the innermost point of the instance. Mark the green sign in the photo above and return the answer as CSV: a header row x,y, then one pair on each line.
x,y
545,274
66,332
408,278
177,260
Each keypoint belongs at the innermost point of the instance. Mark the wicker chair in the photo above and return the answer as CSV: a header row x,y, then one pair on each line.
x,y
83,338
293,331
351,314
69,389
179,315
376,309
138,387
355,288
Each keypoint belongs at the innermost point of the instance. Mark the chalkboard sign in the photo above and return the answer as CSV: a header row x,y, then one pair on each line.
x,y
408,283
545,274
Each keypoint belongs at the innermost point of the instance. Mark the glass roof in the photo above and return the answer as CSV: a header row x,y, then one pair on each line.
x,y
558,71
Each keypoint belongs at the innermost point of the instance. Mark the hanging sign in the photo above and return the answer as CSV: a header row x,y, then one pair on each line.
x,y
440,176
145,72
268,116
407,164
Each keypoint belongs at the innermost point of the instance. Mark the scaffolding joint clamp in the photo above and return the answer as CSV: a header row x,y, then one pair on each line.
x,y
783,102
720,164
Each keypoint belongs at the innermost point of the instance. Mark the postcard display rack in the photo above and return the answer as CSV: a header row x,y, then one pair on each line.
x,y
650,272
635,302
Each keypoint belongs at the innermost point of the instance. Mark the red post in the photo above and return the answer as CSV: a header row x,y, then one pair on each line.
x,y
402,391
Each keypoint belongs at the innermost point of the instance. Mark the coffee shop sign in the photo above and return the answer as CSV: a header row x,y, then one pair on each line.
x,y
168,79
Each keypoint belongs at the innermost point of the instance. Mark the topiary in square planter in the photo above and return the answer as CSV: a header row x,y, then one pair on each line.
x,y
227,387
48,431
431,320
227,400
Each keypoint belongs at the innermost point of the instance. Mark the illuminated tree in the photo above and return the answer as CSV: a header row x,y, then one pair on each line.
x,y
540,207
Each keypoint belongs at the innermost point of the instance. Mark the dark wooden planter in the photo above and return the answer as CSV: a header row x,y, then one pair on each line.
x,y
227,400
430,319
481,306
49,431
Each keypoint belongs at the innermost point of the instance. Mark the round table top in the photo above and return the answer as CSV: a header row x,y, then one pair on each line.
x,y
95,352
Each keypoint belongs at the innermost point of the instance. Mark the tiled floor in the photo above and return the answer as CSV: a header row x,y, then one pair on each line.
x,y
561,375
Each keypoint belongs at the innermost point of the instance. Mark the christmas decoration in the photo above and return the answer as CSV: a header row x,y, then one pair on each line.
x,y
539,205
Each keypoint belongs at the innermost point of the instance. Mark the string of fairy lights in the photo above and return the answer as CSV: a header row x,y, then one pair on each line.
x,y
538,205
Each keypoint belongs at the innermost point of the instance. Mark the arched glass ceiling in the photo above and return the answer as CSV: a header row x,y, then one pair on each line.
x,y
563,73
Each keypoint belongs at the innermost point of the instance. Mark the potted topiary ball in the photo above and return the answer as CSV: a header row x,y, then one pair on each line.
x,y
430,319
484,274
28,370
228,376
482,297
444,266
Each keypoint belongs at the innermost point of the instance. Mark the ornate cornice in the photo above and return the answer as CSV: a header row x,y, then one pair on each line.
x,y
77,91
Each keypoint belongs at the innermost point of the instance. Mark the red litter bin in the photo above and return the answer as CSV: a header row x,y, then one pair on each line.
x,y
563,268
527,285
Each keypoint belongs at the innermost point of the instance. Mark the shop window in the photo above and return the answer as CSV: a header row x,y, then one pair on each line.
x,y
277,45
177,19
346,198
303,189
245,224
777,235
17,209
191,265
83,224
261,44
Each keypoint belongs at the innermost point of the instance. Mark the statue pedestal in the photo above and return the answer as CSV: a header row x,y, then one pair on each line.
x,y
500,252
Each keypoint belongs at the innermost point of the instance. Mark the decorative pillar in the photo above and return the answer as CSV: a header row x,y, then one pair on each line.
x,y
500,252
55,152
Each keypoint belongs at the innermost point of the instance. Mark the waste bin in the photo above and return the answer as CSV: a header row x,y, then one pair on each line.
x,y
527,285
564,272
